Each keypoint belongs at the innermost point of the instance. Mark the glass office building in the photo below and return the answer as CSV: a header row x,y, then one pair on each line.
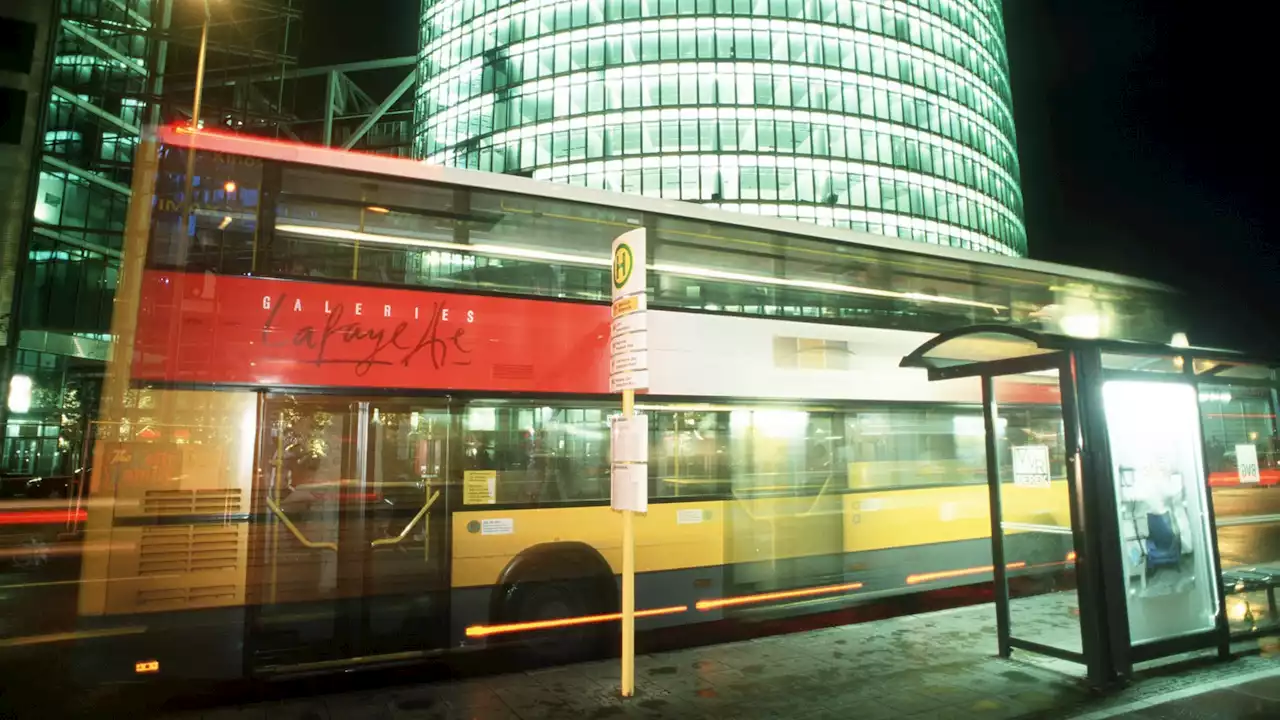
x,y
91,75
886,116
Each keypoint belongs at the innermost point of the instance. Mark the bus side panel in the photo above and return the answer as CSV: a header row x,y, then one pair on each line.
x,y
699,355
188,645
806,530
167,540
673,540
896,518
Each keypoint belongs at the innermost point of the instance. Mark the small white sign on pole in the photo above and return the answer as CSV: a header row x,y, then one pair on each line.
x,y
629,451
1031,466
1247,464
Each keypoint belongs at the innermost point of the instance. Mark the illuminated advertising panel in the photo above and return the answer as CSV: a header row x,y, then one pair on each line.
x,y
206,329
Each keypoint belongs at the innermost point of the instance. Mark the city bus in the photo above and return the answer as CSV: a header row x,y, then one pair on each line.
x,y
358,413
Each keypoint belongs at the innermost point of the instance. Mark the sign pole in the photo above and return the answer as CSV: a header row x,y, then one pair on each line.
x,y
629,436
628,579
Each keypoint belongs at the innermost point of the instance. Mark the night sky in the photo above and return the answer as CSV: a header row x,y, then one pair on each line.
x,y
1143,148
1141,129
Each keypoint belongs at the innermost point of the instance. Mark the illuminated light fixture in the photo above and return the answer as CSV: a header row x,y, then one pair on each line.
x,y
476,248
378,209
1211,396
226,220
146,667
338,234
487,630
1071,556
1082,325
19,393
693,407
781,595
1180,340
685,271
229,186
948,574
815,285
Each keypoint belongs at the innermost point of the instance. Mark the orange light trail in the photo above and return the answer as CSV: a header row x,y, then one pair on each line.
x,y
486,630
42,517
780,595
948,574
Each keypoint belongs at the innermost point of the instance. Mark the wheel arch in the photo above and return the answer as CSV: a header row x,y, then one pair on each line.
x,y
554,562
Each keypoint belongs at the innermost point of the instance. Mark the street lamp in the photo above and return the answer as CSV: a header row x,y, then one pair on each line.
x,y
204,46
195,118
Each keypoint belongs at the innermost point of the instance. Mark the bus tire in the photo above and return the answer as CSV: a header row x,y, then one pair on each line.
x,y
557,600
558,581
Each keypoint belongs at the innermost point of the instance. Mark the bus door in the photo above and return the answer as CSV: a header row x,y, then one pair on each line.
x,y
350,553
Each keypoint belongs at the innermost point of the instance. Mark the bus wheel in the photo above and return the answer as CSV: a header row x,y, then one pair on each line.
x,y
551,601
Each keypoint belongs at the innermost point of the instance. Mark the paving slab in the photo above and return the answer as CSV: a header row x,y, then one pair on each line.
x,y
940,666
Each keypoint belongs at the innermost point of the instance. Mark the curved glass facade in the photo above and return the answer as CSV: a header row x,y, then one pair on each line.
x,y
886,116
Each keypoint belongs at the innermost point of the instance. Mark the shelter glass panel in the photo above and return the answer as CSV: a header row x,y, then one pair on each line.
x,y
1035,511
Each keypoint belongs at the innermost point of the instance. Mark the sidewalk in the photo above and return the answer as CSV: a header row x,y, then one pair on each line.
x,y
939,666
1250,697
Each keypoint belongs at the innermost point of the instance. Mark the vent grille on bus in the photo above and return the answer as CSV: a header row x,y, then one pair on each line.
x,y
191,502
160,598
181,549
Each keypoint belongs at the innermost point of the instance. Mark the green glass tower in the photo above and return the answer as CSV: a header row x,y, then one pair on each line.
x,y
885,116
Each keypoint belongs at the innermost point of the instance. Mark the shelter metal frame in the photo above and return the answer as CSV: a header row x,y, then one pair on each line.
x,y
1082,366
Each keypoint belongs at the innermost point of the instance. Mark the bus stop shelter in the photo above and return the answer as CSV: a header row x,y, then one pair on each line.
x,y
1114,472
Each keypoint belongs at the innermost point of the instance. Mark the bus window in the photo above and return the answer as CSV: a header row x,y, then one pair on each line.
x,y
912,447
540,453
688,452
777,451
1236,415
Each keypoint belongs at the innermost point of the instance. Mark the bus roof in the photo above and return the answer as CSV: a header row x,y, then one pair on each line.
x,y
354,161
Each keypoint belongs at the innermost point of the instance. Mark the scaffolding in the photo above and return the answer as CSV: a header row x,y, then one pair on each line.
x,y
252,48
364,105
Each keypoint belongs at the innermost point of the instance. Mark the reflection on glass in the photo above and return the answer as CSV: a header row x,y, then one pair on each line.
x,y
538,453
1239,428
1155,450
1035,504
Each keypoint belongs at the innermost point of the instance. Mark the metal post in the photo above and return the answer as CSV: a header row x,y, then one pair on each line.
x,y
1093,637
288,23
276,485
1103,547
1221,623
330,87
189,203
997,514
628,370
628,580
